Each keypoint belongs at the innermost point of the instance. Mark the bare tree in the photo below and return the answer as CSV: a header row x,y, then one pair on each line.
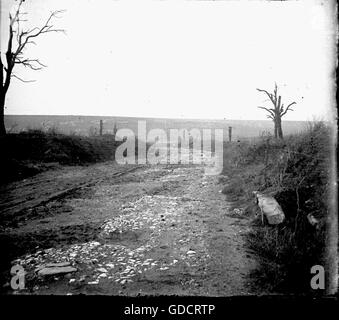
x,y
277,112
19,38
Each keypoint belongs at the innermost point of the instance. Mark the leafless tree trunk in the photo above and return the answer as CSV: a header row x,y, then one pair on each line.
x,y
275,129
277,112
18,40
279,128
2,118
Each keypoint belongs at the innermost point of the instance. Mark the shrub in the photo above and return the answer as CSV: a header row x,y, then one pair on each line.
x,y
25,153
296,172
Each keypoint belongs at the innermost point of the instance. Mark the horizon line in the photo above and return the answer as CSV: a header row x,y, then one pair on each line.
x,y
143,117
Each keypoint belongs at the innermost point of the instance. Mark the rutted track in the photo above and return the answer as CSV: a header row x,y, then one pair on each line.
x,y
42,189
163,229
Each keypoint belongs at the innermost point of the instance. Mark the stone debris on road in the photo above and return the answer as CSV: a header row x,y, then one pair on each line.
x,y
55,270
110,260
155,237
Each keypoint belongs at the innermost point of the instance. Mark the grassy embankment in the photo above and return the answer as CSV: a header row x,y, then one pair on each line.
x,y
30,152
296,171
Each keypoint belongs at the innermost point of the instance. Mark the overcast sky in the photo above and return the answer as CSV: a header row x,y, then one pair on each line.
x,y
195,59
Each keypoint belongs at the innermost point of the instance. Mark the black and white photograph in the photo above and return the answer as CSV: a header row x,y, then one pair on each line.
x,y
168,148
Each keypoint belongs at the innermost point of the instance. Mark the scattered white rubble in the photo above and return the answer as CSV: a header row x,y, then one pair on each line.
x,y
57,264
191,252
56,270
115,261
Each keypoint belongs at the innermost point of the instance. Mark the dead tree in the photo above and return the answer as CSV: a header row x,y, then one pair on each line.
x,y
277,112
18,40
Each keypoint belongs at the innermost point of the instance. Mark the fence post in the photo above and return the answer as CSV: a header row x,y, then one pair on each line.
x,y
115,129
101,127
229,134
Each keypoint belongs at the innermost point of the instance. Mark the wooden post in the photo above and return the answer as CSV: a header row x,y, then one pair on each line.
x,y
229,134
115,129
101,127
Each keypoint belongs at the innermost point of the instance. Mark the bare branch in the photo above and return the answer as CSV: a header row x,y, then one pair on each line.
x,y
30,63
271,111
288,108
15,76
275,94
30,31
268,94
281,108
278,103
26,37
12,20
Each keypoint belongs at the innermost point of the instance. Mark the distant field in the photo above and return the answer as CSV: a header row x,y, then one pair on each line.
x,y
89,125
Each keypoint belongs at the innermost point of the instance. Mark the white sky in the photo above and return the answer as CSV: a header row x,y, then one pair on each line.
x,y
195,59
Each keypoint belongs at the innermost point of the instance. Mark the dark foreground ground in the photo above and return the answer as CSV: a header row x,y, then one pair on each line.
x,y
164,229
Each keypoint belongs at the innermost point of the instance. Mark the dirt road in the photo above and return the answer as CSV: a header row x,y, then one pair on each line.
x,y
128,230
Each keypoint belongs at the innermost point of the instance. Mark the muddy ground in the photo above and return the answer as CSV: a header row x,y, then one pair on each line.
x,y
127,230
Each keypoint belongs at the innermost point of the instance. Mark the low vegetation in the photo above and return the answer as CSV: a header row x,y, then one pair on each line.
x,y
30,152
296,172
